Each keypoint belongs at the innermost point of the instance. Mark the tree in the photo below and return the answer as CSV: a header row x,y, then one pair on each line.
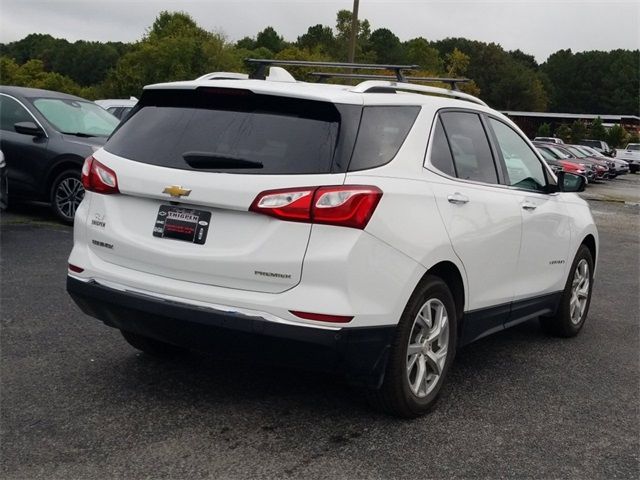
x,y
246,43
616,136
269,38
578,131
544,130
343,29
318,37
32,74
417,51
386,46
596,130
564,133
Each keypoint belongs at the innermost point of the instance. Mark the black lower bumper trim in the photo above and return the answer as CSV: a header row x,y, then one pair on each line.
x,y
358,353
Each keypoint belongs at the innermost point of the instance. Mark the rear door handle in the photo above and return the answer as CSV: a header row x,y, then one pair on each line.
x,y
529,206
457,199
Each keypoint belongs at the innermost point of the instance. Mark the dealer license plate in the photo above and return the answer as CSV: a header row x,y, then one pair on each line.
x,y
183,224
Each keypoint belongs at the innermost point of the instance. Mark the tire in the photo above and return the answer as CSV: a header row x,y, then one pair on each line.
x,y
66,194
398,394
572,313
151,346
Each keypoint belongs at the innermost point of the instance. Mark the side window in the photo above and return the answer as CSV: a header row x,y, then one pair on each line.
x,y
12,112
440,152
523,167
470,147
382,133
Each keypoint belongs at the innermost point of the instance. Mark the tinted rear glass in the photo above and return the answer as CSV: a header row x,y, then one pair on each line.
x,y
236,131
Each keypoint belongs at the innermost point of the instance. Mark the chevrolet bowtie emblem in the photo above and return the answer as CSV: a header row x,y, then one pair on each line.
x,y
177,191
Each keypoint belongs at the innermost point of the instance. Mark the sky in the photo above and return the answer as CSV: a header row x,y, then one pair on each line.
x,y
537,27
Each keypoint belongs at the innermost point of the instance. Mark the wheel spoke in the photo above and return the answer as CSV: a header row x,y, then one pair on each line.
x,y
414,348
422,371
433,362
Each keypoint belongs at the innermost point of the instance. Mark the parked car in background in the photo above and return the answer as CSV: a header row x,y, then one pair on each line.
x,y
592,171
558,165
548,140
327,236
631,154
606,162
621,166
600,145
45,138
4,187
118,107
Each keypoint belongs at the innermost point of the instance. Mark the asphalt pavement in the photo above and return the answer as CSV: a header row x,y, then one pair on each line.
x,y
78,402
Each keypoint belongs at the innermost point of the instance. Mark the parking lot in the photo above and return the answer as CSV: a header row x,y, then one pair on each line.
x,y
78,402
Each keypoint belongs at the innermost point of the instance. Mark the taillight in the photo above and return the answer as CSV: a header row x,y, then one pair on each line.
x,y
346,205
75,268
98,178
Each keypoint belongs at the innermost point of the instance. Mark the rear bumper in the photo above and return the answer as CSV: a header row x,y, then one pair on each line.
x,y
359,353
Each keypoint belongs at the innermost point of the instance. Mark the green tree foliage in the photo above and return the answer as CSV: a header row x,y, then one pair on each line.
x,y
386,47
175,48
594,82
269,38
544,130
596,130
32,74
617,136
564,132
417,51
578,131
319,37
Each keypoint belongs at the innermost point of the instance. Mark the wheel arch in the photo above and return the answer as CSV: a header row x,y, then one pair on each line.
x,y
590,242
66,162
452,276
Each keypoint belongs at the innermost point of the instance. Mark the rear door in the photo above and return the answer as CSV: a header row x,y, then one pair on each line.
x,y
190,163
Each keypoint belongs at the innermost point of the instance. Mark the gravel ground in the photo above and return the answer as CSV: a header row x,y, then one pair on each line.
x,y
78,402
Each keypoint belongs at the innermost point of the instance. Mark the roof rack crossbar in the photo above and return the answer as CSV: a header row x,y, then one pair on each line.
x,y
453,82
263,63
412,87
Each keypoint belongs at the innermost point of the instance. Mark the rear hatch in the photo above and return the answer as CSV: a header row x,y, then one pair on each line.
x,y
189,163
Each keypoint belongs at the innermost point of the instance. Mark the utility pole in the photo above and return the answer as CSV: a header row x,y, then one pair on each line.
x,y
354,31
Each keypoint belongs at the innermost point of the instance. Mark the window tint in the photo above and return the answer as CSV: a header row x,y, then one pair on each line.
x,y
470,147
75,116
546,154
440,152
234,131
11,112
382,132
523,167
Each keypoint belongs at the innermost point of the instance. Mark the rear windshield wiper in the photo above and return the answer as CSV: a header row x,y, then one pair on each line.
x,y
217,161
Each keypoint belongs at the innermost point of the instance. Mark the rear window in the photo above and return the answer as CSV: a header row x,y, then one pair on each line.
x,y
237,131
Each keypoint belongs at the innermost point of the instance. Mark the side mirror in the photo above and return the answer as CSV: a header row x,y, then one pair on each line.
x,y
570,182
28,128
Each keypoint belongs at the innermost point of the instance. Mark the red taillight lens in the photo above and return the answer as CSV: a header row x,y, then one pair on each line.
x,y
98,178
75,268
345,205
322,317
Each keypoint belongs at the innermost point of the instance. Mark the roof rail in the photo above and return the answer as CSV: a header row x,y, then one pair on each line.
x,y
404,86
263,63
451,81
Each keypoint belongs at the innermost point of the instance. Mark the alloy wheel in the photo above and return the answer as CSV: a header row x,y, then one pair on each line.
x,y
69,194
579,292
427,348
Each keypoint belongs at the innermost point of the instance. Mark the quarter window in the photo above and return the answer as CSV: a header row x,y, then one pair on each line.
x,y
11,112
440,152
523,166
470,147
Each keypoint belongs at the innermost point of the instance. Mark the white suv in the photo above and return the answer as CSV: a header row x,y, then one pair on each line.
x,y
368,230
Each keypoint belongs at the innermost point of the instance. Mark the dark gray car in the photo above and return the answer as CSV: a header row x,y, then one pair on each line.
x,y
45,137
